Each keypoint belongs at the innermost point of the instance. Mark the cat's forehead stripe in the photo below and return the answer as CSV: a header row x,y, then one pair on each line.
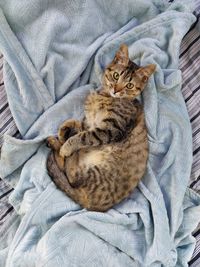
x,y
128,73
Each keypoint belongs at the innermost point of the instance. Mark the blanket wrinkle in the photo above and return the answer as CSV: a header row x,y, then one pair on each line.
x,y
55,54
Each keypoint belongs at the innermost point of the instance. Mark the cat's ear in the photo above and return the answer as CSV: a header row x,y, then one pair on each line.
x,y
145,72
121,56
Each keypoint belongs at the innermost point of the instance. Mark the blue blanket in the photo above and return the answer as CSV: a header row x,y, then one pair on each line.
x,y
55,53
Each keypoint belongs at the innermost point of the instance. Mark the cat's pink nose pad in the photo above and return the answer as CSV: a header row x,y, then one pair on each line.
x,y
115,90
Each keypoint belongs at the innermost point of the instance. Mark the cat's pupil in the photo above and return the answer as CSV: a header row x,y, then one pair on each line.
x,y
129,85
116,75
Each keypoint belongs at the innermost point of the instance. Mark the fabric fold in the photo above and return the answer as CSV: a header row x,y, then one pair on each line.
x,y
60,54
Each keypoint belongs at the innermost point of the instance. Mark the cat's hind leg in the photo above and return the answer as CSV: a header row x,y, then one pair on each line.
x,y
74,170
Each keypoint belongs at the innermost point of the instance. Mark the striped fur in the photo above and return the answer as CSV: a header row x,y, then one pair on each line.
x,y
106,157
192,97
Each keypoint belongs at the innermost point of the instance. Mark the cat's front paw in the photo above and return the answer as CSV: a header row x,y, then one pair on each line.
x,y
65,151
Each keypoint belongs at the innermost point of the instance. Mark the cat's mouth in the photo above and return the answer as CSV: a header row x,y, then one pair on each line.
x,y
117,95
113,93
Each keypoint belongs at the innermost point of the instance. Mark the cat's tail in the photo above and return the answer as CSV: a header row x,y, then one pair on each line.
x,y
59,177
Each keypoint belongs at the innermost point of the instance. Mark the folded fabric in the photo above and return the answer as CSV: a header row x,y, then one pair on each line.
x,y
55,54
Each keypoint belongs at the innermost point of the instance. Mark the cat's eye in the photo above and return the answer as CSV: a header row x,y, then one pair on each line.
x,y
116,75
129,86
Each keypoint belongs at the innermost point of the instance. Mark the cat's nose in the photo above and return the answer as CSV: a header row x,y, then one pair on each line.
x,y
117,89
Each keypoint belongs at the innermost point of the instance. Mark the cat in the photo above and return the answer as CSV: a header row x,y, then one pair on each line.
x,y
99,161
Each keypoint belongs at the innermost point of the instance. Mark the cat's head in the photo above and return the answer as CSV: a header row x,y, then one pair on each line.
x,y
123,78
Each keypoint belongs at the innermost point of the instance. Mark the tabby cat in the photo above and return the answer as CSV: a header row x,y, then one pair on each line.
x,y
99,161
